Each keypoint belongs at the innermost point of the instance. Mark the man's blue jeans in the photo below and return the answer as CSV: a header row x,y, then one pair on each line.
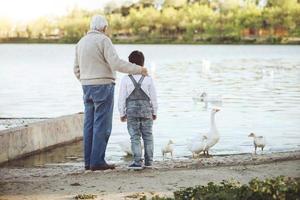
x,y
98,110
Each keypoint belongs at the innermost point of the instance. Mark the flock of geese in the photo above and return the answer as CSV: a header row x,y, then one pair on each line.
x,y
203,142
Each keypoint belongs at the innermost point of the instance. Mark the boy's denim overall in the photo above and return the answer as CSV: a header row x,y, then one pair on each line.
x,y
139,122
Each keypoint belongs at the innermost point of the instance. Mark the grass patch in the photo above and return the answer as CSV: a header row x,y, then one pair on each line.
x,y
279,188
85,196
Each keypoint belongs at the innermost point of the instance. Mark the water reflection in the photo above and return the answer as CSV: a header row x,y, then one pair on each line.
x,y
71,153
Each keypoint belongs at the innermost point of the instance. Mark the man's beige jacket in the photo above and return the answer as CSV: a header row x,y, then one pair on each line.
x,y
96,60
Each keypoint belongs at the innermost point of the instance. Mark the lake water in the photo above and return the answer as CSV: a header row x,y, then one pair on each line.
x,y
260,88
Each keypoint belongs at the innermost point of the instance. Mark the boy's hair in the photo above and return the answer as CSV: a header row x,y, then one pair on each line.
x,y
137,57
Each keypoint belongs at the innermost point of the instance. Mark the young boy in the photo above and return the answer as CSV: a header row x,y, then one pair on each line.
x,y
138,106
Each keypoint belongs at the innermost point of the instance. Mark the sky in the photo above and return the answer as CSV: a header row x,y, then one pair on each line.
x,y
26,10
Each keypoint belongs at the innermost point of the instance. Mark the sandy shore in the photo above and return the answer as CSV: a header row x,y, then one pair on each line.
x,y
65,182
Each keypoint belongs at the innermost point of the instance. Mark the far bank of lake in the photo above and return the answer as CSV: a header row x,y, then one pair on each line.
x,y
138,40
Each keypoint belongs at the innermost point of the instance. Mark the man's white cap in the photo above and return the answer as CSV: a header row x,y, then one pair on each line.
x,y
98,22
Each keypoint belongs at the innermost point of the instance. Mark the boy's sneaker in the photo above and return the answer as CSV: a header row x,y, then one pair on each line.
x,y
135,166
148,166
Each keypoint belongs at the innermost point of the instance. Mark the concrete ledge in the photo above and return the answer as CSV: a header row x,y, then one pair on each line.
x,y
23,141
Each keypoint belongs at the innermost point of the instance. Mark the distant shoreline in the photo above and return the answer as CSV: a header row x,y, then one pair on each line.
x,y
287,41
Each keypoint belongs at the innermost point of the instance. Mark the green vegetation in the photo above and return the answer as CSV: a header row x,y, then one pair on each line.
x,y
280,188
85,196
175,21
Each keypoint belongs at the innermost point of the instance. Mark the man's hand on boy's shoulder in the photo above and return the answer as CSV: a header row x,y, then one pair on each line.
x,y
144,71
123,118
154,117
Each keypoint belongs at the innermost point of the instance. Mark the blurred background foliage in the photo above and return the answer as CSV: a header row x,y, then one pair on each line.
x,y
171,21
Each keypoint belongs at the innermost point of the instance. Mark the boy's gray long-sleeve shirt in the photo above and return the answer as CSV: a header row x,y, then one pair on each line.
x,y
96,60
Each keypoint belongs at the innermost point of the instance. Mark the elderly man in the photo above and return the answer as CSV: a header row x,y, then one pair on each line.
x,y
96,63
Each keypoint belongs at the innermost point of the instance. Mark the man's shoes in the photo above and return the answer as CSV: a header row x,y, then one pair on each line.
x,y
135,166
87,167
103,167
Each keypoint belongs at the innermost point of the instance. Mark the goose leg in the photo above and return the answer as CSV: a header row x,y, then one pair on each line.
x,y
255,147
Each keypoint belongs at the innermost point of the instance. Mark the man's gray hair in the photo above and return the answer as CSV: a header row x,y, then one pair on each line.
x,y
98,22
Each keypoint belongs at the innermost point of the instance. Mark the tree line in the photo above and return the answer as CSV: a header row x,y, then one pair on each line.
x,y
172,21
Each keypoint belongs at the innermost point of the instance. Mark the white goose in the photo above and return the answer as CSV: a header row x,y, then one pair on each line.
x,y
267,74
208,140
258,141
126,147
197,146
205,67
168,149
213,136
204,97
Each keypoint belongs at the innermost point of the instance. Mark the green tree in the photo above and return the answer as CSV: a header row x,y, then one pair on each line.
x,y
174,3
74,25
249,17
282,3
40,27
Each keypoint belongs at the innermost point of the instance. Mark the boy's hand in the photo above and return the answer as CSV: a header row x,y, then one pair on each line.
x,y
154,117
123,119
